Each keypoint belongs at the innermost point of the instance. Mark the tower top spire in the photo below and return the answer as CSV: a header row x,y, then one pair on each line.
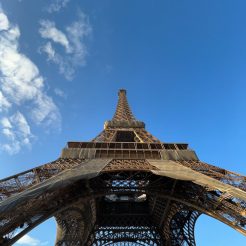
x,y
123,116
123,110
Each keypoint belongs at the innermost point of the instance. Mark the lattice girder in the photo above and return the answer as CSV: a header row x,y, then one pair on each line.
x,y
123,111
187,193
75,223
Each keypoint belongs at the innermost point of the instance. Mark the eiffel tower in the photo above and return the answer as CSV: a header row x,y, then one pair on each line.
x,y
124,187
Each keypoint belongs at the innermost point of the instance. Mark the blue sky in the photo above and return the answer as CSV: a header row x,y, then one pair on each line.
x,y
182,63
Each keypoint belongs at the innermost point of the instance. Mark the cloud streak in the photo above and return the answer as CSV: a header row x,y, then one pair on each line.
x,y
48,30
30,241
60,93
22,89
72,38
16,129
57,5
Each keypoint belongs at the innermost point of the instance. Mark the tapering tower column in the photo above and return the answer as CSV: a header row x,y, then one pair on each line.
x,y
123,111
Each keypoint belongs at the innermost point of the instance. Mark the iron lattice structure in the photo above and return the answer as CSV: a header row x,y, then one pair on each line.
x,y
125,187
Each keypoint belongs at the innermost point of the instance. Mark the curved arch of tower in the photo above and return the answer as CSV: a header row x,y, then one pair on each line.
x,y
124,187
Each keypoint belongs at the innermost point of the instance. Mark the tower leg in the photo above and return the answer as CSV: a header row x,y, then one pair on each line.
x,y
75,223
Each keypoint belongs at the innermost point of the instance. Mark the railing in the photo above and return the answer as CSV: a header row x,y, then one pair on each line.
x,y
22,181
128,145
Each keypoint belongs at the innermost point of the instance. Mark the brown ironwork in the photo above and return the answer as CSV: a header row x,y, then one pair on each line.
x,y
123,111
125,187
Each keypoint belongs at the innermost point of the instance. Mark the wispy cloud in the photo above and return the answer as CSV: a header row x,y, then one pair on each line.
x,y
30,241
48,30
64,62
4,103
57,5
60,93
72,38
22,87
16,129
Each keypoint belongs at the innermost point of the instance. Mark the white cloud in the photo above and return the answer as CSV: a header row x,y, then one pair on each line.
x,y
6,123
74,37
48,30
48,49
21,80
77,32
56,58
30,241
57,5
45,111
8,133
4,23
4,103
21,124
64,65
23,87
17,131
60,93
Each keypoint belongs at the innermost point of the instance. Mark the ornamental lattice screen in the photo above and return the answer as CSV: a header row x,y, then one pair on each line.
x,y
125,187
